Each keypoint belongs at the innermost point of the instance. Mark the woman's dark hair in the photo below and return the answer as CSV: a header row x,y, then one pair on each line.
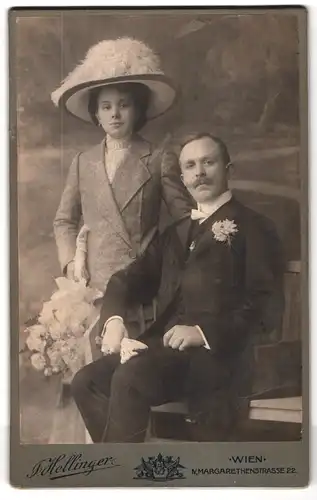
x,y
140,94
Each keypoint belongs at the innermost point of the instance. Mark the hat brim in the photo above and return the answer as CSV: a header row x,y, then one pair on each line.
x,y
163,94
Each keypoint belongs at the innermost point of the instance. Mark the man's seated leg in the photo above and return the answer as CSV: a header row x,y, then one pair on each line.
x,y
151,378
91,390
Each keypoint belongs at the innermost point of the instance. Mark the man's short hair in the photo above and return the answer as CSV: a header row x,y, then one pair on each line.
x,y
194,136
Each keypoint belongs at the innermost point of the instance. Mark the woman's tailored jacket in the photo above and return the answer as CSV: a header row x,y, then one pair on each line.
x,y
122,217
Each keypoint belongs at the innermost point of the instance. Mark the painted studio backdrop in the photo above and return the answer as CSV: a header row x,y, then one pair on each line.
x,y
239,78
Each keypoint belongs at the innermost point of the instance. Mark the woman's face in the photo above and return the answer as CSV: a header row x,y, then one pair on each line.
x,y
116,112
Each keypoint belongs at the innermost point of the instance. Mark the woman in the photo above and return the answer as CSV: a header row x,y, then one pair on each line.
x,y
116,187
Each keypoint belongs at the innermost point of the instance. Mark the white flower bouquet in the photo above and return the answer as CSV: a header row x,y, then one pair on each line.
x,y
57,340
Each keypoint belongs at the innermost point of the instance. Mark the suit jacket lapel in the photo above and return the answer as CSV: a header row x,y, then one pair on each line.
x,y
183,233
132,174
105,198
174,257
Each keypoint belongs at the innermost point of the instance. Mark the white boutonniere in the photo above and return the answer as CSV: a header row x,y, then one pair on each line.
x,y
224,230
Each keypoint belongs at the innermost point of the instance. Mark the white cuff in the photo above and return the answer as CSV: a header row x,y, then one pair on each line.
x,y
81,240
108,321
206,345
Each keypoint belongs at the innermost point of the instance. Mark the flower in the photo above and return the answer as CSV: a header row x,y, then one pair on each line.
x,y
55,357
38,361
36,338
76,328
56,330
81,312
224,230
48,371
62,315
47,313
73,353
58,338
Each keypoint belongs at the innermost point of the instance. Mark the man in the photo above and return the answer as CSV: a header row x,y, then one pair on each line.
x,y
214,274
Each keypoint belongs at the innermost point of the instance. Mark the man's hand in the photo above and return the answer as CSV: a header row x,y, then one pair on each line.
x,y
115,332
181,336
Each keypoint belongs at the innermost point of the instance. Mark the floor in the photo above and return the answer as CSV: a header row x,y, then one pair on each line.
x,y
38,400
45,418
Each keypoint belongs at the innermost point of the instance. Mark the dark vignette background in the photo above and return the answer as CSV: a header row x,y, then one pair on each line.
x,y
239,78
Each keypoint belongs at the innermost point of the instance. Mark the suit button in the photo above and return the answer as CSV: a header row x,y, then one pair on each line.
x,y
132,254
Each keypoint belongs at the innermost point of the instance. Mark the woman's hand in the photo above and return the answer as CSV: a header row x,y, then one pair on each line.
x,y
114,334
70,269
80,272
80,267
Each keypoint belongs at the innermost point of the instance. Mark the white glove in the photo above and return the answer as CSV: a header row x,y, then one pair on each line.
x,y
80,267
130,348
80,258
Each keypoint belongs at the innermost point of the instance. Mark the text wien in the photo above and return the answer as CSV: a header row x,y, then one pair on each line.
x,y
248,459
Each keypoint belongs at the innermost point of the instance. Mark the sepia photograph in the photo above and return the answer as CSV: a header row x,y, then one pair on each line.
x,y
161,226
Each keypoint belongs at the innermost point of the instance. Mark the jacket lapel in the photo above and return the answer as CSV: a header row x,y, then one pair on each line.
x,y
174,250
132,174
105,199
183,233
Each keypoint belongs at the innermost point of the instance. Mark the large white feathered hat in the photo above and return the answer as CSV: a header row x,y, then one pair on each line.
x,y
116,61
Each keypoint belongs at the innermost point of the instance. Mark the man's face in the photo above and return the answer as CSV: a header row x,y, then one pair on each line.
x,y
203,169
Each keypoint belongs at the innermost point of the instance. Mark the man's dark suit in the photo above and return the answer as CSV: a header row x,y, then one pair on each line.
x,y
224,287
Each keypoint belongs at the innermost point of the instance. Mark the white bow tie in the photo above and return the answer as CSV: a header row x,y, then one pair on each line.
x,y
198,214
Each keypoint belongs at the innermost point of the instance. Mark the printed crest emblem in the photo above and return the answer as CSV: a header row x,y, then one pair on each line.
x,y
160,468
